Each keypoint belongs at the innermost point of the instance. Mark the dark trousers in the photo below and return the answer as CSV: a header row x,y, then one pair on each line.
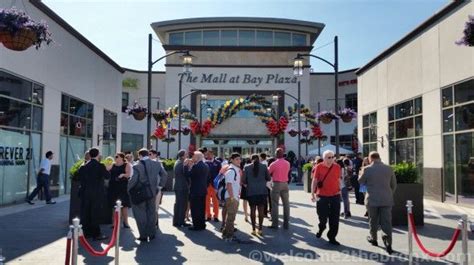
x,y
180,207
91,213
329,208
42,182
198,204
359,196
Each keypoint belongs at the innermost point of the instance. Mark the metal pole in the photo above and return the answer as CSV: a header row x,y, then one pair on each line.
x,y
319,138
180,92
410,233
148,118
118,210
168,145
299,132
336,92
464,234
75,240
306,137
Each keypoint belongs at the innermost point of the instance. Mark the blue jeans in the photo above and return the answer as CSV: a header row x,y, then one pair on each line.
x,y
42,182
345,200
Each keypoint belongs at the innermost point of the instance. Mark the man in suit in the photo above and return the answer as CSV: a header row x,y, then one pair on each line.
x,y
181,190
92,176
381,184
196,171
146,171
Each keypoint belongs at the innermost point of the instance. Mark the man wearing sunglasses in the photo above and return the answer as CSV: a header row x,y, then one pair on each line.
x,y
326,192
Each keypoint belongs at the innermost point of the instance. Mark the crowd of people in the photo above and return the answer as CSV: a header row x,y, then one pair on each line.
x,y
205,185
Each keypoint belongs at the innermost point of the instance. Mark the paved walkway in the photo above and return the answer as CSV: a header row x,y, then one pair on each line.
x,y
36,235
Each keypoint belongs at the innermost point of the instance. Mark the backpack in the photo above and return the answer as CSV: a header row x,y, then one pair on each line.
x,y
347,178
220,185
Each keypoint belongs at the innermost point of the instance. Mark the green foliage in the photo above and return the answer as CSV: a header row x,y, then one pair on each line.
x,y
73,170
130,83
168,164
307,167
406,172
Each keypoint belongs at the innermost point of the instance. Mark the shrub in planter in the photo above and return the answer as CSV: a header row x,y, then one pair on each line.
x,y
408,188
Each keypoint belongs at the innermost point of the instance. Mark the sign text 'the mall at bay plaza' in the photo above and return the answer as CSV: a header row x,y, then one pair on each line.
x,y
224,78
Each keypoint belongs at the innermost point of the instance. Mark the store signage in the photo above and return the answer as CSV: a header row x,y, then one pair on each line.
x,y
14,156
347,82
224,78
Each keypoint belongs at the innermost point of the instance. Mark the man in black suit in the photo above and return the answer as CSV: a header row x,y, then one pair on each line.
x,y
91,176
196,171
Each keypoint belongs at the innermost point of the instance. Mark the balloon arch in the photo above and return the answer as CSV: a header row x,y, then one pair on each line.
x,y
256,104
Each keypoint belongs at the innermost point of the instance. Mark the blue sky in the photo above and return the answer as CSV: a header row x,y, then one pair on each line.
x,y
365,27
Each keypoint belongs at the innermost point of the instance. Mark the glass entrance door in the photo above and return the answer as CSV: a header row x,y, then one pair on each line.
x,y
224,148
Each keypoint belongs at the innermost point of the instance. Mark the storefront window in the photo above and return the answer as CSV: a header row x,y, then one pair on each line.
x,y
458,141
21,123
131,142
406,132
369,133
109,133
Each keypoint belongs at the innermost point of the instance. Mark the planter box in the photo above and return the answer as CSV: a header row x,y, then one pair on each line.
x,y
404,192
74,201
307,181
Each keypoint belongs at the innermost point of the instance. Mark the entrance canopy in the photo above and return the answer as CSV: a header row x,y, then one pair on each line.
x,y
331,147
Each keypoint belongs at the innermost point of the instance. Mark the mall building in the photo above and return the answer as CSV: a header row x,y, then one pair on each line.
x,y
70,96
416,104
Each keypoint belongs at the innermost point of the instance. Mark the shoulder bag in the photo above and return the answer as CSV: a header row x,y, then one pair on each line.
x,y
141,192
319,184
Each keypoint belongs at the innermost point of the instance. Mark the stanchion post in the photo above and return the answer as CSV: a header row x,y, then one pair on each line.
x,y
410,232
75,240
464,235
118,209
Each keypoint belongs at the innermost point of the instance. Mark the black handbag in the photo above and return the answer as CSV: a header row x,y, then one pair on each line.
x,y
141,192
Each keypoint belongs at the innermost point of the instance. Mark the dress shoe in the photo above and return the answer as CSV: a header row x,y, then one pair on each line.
x,y
30,202
388,247
272,227
142,239
334,242
372,241
100,237
187,225
319,234
51,202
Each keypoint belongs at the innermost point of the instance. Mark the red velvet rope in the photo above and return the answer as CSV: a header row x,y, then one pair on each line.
x,y
91,250
68,251
429,253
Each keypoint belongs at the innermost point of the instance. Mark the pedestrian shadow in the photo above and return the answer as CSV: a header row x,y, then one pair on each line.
x,y
305,205
361,222
164,248
356,255
98,246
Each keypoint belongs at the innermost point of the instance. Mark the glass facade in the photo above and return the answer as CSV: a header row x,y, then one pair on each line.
x,y
457,102
369,133
131,142
405,123
238,37
109,137
76,135
21,125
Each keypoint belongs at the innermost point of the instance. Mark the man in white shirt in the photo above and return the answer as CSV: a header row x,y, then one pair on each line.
x,y
232,183
42,180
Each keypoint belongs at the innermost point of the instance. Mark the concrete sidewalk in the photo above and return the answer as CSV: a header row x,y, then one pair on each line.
x,y
37,236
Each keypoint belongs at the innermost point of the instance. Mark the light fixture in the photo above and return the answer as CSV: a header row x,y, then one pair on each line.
x,y
187,62
203,99
275,100
298,65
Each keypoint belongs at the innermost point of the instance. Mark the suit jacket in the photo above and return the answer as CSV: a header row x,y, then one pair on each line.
x,y
92,176
381,184
197,176
181,181
153,168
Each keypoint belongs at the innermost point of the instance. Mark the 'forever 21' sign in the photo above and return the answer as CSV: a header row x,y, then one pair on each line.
x,y
224,78
14,156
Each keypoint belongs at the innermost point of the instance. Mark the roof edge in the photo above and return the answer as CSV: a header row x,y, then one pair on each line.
x,y
411,35
56,18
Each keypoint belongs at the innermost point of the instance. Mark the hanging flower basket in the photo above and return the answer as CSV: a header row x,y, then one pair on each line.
x,y
186,130
18,31
293,132
174,131
159,133
305,132
139,115
468,38
347,115
169,140
159,116
326,117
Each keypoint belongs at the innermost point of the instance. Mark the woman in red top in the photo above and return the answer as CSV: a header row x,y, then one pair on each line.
x,y
326,192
